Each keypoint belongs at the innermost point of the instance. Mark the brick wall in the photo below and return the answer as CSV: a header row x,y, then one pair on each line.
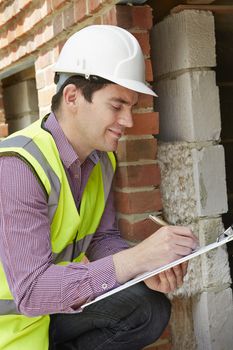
x,y
37,30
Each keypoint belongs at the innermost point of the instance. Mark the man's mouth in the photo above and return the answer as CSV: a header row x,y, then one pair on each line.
x,y
116,133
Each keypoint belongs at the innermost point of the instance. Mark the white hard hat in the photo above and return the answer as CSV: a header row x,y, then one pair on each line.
x,y
105,51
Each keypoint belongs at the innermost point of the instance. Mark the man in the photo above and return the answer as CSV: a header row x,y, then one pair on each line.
x,y
59,242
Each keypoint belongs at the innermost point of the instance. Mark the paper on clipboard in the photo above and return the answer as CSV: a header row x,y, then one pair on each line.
x,y
224,238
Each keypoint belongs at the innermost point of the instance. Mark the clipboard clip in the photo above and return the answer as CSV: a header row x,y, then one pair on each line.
x,y
227,233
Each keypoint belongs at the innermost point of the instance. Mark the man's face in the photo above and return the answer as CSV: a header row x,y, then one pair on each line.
x,y
100,124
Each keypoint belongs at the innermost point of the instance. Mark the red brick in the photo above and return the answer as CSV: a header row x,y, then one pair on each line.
x,y
142,17
35,17
68,16
19,28
137,231
48,33
27,21
145,101
144,41
58,3
134,150
110,17
44,60
58,24
144,124
3,130
3,39
138,202
25,3
11,32
38,37
19,50
2,116
46,8
94,5
8,12
138,175
131,17
149,71
124,16
80,10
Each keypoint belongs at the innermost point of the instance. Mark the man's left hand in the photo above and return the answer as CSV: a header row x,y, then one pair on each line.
x,y
169,280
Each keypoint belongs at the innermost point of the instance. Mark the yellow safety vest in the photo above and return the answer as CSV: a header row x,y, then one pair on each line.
x,y
36,146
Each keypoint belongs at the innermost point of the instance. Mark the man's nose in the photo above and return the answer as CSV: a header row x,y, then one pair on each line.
x,y
126,120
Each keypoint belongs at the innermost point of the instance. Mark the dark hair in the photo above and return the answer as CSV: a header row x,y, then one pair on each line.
x,y
87,87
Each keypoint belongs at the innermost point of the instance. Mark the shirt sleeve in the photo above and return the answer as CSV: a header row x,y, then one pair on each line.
x,y
37,285
107,239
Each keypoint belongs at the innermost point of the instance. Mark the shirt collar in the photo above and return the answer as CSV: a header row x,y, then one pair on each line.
x,y
65,149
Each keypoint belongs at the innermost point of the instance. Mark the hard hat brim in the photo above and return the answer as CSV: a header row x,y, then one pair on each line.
x,y
135,86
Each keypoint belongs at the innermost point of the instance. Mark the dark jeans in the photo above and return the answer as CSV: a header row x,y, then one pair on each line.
x,y
130,319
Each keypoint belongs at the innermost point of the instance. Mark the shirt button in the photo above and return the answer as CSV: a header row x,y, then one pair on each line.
x,y
104,286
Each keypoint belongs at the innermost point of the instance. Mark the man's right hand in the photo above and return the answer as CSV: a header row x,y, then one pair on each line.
x,y
167,244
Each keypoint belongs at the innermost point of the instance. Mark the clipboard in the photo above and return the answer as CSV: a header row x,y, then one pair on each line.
x,y
222,239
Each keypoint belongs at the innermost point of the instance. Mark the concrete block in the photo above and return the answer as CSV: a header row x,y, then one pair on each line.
x,y
215,268
183,40
210,270
210,180
177,184
214,264
189,107
21,98
213,320
193,181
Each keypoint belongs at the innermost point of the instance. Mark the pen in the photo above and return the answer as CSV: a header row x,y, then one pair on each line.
x,y
158,220
161,222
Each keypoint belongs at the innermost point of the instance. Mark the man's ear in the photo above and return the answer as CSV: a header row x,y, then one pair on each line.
x,y
70,95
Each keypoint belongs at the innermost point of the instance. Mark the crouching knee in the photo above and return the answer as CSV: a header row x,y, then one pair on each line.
x,y
157,311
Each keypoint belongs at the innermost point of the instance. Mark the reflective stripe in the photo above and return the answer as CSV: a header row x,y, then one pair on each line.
x,y
30,146
80,247
8,307
107,173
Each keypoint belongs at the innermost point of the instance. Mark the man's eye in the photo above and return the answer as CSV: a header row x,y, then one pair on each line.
x,y
116,108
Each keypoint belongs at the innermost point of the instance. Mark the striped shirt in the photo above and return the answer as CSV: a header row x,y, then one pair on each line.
x,y
38,286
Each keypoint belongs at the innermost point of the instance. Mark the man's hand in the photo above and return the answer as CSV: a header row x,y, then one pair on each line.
x,y
169,280
167,244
